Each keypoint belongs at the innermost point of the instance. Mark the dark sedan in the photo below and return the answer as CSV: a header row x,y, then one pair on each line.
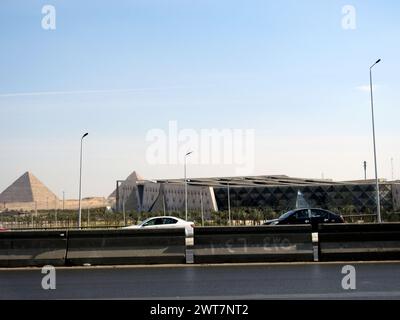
x,y
307,216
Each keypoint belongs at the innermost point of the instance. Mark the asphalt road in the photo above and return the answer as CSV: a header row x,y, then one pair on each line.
x,y
283,281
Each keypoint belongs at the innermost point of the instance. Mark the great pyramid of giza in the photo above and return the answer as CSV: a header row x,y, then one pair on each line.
x,y
27,188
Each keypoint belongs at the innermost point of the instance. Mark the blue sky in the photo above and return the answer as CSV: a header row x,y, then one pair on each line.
x,y
285,69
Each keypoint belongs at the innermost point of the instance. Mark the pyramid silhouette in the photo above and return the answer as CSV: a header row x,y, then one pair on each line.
x,y
133,177
27,188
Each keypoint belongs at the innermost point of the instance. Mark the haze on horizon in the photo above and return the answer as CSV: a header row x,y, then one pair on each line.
x,y
286,70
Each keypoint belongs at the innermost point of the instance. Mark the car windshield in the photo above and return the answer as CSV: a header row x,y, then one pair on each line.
x,y
286,215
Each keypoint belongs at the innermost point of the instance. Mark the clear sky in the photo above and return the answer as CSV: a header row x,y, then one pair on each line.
x,y
118,69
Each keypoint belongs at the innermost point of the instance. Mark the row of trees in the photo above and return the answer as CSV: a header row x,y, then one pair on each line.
x,y
101,217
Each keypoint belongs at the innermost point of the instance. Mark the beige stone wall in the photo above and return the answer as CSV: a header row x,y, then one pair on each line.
x,y
55,204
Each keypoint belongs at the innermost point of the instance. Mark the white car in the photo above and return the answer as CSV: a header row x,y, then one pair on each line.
x,y
165,223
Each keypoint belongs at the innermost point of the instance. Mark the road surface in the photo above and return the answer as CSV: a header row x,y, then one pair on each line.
x,y
261,281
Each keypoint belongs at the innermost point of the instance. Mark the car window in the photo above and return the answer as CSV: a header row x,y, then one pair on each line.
x,y
316,213
153,222
169,221
159,221
150,222
286,215
302,214
145,221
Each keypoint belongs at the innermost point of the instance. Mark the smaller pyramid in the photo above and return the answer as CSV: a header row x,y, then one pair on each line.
x,y
134,176
129,181
27,188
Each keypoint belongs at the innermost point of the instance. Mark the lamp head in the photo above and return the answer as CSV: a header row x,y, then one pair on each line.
x,y
85,135
377,61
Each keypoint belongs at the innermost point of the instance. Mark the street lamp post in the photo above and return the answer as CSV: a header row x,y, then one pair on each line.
x,y
80,184
186,191
378,202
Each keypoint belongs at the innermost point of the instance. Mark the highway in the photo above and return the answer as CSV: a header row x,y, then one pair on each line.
x,y
258,281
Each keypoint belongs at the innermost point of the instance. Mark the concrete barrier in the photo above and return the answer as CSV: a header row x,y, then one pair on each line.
x,y
363,242
113,247
32,248
336,242
252,244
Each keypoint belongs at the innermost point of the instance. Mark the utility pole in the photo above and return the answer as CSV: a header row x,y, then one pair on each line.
x,y
229,204
365,170
186,185
36,213
123,209
163,202
391,160
55,210
202,207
